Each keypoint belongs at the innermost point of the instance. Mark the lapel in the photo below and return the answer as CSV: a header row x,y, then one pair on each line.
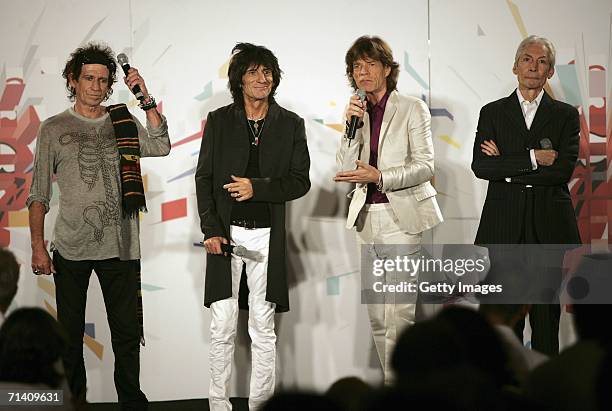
x,y
542,117
238,137
515,113
271,124
390,110
268,144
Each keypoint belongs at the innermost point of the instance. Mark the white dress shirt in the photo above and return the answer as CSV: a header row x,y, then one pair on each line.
x,y
529,109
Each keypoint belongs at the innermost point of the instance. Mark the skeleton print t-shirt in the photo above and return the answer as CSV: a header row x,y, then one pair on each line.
x,y
82,154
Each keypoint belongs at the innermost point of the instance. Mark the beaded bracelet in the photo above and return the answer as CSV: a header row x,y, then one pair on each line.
x,y
149,104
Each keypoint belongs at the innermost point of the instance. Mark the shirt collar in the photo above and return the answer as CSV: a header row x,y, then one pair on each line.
x,y
381,103
537,99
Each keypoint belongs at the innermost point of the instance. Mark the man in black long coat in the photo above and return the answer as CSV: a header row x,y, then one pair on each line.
x,y
253,159
526,146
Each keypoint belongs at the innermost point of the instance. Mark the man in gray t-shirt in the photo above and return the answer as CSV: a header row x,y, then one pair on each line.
x,y
93,152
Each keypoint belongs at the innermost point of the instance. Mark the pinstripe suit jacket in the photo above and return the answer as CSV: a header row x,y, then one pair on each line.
x,y
503,213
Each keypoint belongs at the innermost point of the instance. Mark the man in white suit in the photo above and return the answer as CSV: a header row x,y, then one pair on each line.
x,y
391,161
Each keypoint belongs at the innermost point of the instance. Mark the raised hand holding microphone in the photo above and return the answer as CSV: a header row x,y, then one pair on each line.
x,y
355,113
363,173
133,79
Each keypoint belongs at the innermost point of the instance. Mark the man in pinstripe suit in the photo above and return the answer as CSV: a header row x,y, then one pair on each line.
x,y
526,147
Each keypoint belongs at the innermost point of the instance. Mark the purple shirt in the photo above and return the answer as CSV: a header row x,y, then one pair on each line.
x,y
376,114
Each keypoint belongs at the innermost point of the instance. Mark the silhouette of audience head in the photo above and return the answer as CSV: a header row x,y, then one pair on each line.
x,y
456,337
604,382
456,387
9,276
455,361
588,322
481,346
425,348
298,401
506,314
350,393
31,345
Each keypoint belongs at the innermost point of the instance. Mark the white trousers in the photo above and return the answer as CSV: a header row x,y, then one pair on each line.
x,y
377,224
261,325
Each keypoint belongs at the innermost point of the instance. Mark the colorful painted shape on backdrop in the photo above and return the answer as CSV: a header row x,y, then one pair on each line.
x,y
413,73
171,210
16,157
591,184
206,93
333,283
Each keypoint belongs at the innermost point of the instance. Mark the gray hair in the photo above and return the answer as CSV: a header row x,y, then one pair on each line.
x,y
547,44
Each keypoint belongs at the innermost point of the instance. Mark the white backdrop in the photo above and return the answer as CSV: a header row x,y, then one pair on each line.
x,y
458,55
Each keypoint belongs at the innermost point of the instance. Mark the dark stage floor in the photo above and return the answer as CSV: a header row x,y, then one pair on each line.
x,y
238,404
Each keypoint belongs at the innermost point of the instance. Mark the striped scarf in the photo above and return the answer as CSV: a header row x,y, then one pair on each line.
x,y
133,199
126,133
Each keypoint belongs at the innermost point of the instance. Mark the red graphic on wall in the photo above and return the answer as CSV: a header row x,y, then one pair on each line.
x,y
174,209
592,193
16,133
193,137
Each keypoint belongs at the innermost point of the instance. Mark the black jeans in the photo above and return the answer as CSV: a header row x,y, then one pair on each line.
x,y
118,280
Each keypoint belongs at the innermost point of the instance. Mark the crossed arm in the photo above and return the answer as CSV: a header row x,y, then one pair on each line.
x,y
555,166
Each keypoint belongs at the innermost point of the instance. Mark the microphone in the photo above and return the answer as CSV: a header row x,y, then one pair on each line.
x,y
122,59
546,144
354,119
237,250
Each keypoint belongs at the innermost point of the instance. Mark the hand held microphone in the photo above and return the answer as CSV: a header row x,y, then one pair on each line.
x,y
122,59
354,119
237,250
546,144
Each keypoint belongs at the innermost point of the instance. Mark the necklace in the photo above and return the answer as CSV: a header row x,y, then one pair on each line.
x,y
255,129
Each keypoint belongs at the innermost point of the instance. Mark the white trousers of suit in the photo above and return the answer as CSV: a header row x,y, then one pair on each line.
x,y
224,321
377,224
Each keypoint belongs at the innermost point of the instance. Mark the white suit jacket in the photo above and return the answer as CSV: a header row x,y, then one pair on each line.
x,y
406,160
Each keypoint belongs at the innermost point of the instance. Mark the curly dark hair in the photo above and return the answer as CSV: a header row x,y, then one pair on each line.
x,y
245,55
91,53
374,48
31,342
